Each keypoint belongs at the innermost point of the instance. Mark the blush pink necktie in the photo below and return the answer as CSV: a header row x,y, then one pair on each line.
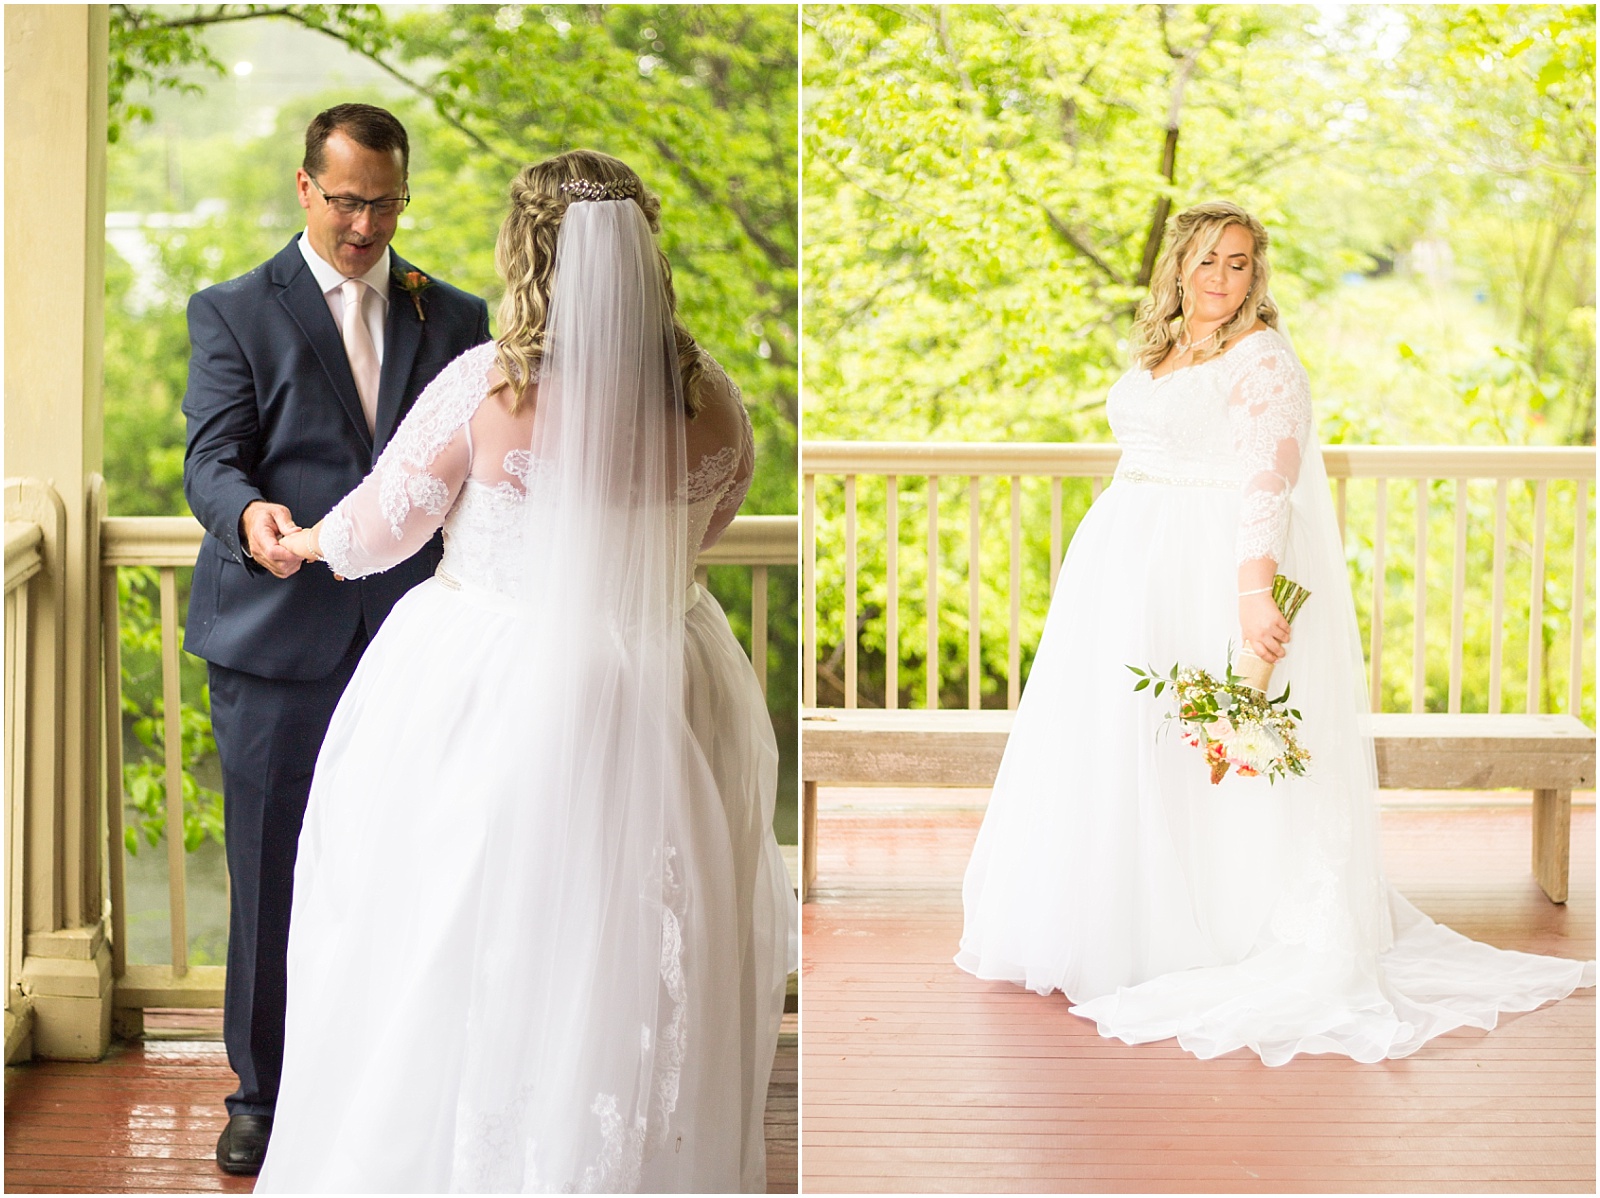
x,y
362,353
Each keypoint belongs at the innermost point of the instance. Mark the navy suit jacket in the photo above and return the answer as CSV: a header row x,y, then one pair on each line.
x,y
273,414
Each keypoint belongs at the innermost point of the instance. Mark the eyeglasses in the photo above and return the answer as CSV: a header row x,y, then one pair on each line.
x,y
352,205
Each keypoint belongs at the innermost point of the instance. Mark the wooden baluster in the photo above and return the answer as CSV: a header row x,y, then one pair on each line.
x,y
850,637
1458,599
172,705
1497,624
1379,534
808,537
1055,532
1535,699
974,615
1013,636
1419,602
116,852
758,624
891,615
931,667
1580,578
1340,487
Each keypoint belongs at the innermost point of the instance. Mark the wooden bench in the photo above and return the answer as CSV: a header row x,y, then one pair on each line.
x,y
1551,755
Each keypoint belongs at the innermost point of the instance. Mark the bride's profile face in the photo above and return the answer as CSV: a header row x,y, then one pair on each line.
x,y
1221,279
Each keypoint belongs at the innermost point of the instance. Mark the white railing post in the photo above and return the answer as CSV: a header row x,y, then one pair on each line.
x,y
1014,629
974,598
808,585
1458,598
1580,578
851,640
932,668
1380,523
891,615
1536,601
1497,622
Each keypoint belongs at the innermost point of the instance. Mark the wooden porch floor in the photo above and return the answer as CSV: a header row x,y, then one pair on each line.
x,y
146,1119
918,1077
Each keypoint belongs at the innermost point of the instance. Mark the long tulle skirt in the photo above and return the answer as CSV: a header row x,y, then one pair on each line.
x,y
390,881
1237,915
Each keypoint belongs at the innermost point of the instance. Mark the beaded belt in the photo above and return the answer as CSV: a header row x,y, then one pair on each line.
x,y
496,601
1132,474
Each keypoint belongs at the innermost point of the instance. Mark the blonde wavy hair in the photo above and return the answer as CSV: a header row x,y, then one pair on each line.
x,y
1192,235
525,256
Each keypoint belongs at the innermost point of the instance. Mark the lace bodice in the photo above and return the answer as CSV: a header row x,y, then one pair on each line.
x,y
463,464
1241,420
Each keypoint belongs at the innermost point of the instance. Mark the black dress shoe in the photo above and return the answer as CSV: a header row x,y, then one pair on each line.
x,y
242,1146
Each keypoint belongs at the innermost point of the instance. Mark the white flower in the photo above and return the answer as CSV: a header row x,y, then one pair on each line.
x,y
1252,744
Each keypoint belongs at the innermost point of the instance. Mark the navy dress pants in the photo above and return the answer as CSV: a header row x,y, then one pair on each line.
x,y
268,732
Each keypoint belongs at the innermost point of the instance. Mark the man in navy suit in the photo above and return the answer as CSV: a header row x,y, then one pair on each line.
x,y
301,371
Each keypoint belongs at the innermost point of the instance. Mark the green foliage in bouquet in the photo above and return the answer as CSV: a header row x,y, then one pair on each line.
x,y
1235,725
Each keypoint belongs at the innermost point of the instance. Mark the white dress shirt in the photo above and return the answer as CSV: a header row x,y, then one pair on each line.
x,y
330,280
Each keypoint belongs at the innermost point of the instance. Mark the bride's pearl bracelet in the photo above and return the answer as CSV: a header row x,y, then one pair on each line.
x,y
1257,591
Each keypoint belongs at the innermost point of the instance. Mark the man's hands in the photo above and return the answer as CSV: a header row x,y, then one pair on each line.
x,y
263,527
306,544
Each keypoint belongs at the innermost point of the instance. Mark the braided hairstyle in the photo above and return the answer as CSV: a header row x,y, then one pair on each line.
x,y
525,256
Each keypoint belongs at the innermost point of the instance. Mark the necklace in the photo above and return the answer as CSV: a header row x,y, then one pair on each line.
x,y
1185,346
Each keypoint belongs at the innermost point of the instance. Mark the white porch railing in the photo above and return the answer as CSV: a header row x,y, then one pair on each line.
x,y
1459,493
170,544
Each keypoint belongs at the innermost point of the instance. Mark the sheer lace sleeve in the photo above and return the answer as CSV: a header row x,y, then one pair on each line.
x,y
744,470
733,465
1269,409
404,500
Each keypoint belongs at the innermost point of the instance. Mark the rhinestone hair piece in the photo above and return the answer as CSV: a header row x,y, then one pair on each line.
x,y
585,189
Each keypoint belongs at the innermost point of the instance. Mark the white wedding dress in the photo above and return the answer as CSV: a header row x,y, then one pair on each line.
x,y
452,979
1110,868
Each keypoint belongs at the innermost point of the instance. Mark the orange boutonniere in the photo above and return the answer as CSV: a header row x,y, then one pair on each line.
x,y
415,283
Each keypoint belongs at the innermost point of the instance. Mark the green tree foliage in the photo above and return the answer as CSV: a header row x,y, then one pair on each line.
x,y
700,100
986,189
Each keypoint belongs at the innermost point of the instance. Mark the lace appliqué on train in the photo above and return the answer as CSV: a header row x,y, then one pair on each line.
x,y
492,1155
622,1156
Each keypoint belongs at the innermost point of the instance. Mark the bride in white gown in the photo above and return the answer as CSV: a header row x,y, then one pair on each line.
x,y
541,926
1108,866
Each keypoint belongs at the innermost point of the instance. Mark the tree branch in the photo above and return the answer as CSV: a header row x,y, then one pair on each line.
x,y
942,27
1188,60
778,255
349,38
892,201
217,16
1078,243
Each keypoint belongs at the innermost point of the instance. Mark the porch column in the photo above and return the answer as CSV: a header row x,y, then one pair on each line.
x,y
55,194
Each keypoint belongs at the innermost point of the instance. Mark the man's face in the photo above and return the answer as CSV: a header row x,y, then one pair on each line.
x,y
351,244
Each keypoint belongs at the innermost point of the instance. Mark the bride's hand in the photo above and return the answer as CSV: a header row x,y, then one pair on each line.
x,y
1265,630
303,544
